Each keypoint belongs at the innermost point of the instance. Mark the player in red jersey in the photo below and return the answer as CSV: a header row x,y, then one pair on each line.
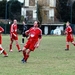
x,y
14,35
69,36
1,48
34,39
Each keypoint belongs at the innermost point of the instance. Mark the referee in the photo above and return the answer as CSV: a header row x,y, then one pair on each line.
x,y
23,31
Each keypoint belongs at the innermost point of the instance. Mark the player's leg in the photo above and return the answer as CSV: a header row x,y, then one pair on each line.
x,y
67,46
73,43
29,49
24,54
11,42
18,46
27,54
23,35
3,51
22,39
67,43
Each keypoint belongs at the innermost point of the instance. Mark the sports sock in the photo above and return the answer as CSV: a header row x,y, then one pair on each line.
x,y
4,52
24,54
10,46
22,40
18,46
26,57
74,44
67,46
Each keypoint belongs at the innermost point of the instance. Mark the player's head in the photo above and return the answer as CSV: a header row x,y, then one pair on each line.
x,y
15,21
67,24
36,23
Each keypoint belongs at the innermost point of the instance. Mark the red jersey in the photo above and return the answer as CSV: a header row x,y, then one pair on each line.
x,y
13,32
1,30
34,33
68,30
13,29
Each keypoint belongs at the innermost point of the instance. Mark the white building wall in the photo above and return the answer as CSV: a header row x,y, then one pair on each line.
x,y
51,14
34,14
52,3
26,3
33,8
23,12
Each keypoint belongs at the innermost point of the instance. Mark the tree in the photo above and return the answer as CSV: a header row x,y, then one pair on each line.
x,y
63,10
2,9
39,17
14,10
73,13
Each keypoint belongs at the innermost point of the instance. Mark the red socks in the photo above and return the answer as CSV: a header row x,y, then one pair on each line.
x,y
4,52
25,56
67,46
10,46
18,47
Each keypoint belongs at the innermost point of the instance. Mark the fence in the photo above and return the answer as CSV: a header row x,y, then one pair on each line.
x,y
46,28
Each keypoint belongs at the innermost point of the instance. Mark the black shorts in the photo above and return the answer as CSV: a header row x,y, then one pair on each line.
x,y
23,34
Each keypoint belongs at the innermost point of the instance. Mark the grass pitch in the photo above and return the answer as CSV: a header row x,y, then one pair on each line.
x,y
49,59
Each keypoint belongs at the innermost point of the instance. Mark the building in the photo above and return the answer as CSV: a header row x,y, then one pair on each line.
x,y
29,10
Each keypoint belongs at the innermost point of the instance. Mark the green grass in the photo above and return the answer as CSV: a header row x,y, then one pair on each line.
x,y
49,59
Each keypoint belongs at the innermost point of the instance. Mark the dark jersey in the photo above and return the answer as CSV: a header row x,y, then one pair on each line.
x,y
24,29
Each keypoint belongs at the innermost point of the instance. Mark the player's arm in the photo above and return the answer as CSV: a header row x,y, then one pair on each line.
x,y
1,30
15,31
39,40
69,30
66,31
27,32
14,34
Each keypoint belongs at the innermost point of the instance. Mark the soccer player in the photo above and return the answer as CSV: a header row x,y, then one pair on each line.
x,y
23,32
34,39
69,35
1,48
14,36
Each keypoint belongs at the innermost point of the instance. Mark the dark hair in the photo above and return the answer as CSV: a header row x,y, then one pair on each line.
x,y
38,22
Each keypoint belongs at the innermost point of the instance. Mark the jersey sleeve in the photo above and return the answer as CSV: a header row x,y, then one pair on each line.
x,y
1,29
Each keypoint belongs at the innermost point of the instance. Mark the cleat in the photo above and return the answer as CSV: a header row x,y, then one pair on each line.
x,y
11,50
6,55
1,51
66,49
20,50
23,60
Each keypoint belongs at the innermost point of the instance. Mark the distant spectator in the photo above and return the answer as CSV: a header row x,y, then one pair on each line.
x,y
57,31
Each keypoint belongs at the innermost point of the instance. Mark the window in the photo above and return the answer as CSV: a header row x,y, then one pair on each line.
x,y
31,2
29,14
